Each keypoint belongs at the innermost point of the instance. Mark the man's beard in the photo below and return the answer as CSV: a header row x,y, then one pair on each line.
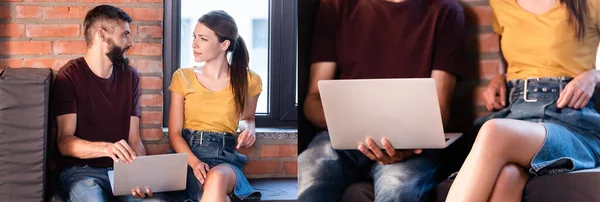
x,y
115,54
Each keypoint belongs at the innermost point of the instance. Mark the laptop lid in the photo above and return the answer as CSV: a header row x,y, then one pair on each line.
x,y
165,172
406,111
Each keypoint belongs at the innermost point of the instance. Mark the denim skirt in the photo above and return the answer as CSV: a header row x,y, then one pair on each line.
x,y
572,136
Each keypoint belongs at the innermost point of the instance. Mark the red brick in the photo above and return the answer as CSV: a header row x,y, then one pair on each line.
x,y
278,151
107,1
151,82
145,14
151,100
54,63
488,69
5,12
151,134
149,117
146,49
61,30
12,30
150,31
148,66
28,11
263,167
484,14
153,149
488,42
69,47
64,12
13,63
38,62
290,167
249,152
25,48
150,1
51,0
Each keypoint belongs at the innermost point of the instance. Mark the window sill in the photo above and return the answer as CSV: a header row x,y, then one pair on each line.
x,y
265,133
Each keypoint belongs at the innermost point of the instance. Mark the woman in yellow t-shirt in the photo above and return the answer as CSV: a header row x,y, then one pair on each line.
x,y
544,120
207,103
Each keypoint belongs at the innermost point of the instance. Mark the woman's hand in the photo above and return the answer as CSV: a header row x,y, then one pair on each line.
x,y
200,171
579,91
494,95
246,138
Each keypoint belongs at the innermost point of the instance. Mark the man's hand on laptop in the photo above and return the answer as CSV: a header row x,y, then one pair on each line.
x,y
138,193
120,151
200,171
391,155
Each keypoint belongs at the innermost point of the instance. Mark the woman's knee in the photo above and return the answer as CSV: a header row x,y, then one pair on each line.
x,y
220,173
494,132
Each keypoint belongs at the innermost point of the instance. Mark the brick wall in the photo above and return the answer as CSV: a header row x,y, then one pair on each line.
x,y
48,33
483,62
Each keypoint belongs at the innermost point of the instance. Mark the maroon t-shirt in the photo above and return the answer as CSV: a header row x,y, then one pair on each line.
x,y
103,106
381,39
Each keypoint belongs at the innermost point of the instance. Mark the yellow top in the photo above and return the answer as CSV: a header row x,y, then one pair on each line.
x,y
544,45
205,110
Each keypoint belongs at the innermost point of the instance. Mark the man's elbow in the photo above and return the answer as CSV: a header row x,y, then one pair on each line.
x,y
64,146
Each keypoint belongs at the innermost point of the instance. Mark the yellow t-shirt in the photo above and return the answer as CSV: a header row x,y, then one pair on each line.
x,y
205,110
544,45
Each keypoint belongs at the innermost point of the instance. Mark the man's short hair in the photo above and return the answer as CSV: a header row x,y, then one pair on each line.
x,y
104,16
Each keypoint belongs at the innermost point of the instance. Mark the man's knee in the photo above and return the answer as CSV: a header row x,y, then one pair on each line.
x,y
403,185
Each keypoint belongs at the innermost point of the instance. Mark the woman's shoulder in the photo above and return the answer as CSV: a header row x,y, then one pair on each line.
x,y
253,76
183,71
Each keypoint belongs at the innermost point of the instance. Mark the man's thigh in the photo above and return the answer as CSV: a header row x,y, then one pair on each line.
x,y
84,183
409,180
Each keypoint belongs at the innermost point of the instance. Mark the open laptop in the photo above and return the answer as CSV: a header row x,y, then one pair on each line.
x,y
161,173
405,111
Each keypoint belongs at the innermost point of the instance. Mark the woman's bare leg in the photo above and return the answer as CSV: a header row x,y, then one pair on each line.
x,y
500,141
220,181
510,184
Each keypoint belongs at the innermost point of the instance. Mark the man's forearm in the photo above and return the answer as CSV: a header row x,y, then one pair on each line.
x,y
82,149
313,109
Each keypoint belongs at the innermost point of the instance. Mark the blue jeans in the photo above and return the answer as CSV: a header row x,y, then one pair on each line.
x,y
85,183
324,173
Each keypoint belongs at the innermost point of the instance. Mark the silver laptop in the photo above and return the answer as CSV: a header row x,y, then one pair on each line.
x,y
406,111
166,172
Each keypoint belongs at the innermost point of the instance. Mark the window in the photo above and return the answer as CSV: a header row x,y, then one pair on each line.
x,y
269,30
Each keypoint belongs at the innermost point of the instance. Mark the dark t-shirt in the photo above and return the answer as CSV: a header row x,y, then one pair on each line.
x,y
381,39
103,106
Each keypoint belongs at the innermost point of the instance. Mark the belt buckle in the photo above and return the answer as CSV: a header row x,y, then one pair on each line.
x,y
525,89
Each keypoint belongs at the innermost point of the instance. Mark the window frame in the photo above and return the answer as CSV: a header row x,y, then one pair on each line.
x,y
282,109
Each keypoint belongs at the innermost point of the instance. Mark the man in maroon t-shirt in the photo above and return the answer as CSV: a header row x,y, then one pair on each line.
x,y
96,100
363,39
